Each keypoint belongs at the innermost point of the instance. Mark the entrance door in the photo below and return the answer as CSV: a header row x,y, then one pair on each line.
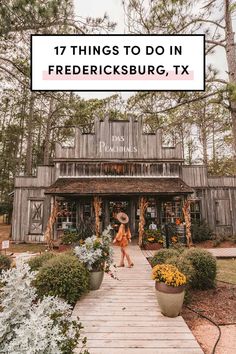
x,y
126,205
117,206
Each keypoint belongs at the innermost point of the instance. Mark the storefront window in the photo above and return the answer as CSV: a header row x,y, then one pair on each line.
x,y
67,215
195,211
171,211
151,212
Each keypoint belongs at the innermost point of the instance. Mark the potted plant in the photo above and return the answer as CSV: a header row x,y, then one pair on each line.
x,y
170,288
152,240
97,255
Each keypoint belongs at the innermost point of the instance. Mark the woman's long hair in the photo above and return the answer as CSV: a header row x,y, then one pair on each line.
x,y
124,227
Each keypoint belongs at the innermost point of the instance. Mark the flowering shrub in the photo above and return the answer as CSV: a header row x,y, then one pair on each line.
x,y
96,253
168,274
31,326
152,236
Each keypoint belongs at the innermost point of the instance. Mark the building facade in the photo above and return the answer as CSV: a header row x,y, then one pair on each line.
x,y
115,167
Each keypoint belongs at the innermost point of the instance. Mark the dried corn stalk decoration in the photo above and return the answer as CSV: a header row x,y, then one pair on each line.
x,y
143,204
48,235
187,219
97,208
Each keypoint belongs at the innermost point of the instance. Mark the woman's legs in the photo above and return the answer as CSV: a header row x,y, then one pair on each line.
x,y
122,259
130,263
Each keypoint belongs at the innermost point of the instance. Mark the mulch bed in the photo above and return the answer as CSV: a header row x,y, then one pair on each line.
x,y
152,247
210,244
218,304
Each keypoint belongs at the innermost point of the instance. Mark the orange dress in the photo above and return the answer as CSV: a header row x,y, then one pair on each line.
x,y
122,237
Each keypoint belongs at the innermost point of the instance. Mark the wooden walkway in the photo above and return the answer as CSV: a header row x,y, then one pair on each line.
x,y
123,316
217,252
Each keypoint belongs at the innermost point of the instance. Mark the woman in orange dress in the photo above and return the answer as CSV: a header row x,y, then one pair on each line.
x,y
122,239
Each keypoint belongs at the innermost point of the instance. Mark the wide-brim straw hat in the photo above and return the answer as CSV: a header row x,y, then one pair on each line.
x,y
122,218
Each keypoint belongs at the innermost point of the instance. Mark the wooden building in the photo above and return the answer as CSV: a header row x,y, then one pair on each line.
x,y
117,167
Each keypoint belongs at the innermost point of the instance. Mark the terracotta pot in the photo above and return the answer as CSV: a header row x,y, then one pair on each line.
x,y
95,279
170,299
152,246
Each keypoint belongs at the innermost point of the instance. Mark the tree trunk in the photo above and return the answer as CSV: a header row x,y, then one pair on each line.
x,y
29,149
231,60
46,152
204,136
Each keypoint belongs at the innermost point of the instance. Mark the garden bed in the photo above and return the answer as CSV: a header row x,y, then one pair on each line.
x,y
219,305
211,244
152,246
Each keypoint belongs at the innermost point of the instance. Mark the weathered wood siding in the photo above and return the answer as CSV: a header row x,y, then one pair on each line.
x,y
217,198
220,209
195,176
44,177
116,169
118,140
223,181
27,190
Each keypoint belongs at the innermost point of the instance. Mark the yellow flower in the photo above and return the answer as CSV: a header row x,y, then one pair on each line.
x,y
168,274
151,239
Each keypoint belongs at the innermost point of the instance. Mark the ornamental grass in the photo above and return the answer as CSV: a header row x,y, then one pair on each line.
x,y
168,274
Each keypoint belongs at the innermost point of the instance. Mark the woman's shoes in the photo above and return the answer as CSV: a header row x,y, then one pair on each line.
x,y
122,265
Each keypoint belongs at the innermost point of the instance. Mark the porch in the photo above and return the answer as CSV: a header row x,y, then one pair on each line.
x,y
98,200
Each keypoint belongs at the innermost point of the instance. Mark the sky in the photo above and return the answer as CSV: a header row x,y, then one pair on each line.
x,y
114,9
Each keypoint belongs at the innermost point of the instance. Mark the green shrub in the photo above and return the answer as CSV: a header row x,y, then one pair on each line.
x,y
184,265
204,264
37,262
201,231
70,237
5,262
161,256
63,276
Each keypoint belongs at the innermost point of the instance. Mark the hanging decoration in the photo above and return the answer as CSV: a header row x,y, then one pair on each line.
x,y
187,219
143,204
48,235
97,201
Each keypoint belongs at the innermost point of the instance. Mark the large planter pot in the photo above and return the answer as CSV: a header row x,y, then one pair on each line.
x,y
95,279
170,299
152,246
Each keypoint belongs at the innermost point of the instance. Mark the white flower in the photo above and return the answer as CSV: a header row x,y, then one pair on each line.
x,y
96,251
28,326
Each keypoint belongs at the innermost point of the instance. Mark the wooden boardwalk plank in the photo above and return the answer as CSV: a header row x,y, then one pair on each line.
x,y
123,316
144,351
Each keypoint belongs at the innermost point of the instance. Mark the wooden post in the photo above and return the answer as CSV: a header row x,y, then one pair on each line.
x,y
48,235
132,216
107,213
143,203
187,219
97,207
